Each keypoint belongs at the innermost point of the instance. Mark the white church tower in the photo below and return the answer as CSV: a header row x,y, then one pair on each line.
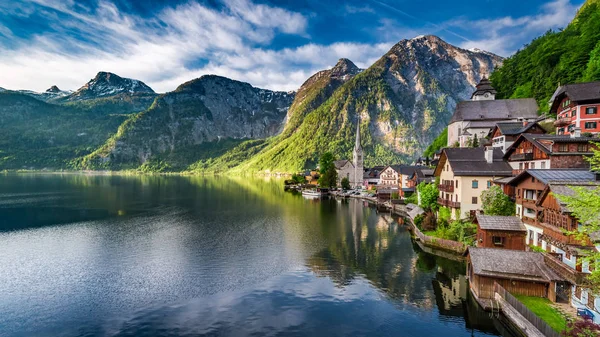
x,y
358,159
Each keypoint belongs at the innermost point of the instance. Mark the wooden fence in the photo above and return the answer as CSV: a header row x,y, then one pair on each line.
x,y
450,245
534,319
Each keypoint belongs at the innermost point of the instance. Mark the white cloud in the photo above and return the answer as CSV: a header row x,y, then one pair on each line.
x,y
165,51
505,35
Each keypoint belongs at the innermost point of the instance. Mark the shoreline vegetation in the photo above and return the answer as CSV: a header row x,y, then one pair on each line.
x,y
142,173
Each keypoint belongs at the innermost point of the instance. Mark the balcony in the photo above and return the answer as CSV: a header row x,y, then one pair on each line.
x,y
522,156
448,203
570,274
556,234
561,122
446,188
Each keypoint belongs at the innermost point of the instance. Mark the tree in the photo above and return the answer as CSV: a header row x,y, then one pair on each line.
x,y
328,173
475,142
345,183
584,205
429,194
495,202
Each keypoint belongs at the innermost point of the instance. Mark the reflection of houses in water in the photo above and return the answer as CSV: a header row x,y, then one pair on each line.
x,y
450,293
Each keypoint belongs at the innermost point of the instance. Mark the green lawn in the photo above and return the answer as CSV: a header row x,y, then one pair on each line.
x,y
543,308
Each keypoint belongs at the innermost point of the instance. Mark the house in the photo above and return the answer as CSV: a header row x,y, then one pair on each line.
x,y
390,177
479,115
519,272
371,177
504,134
352,170
529,186
405,173
464,173
503,232
532,151
576,106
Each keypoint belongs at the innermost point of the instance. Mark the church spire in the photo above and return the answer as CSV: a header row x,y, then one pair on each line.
x,y
357,144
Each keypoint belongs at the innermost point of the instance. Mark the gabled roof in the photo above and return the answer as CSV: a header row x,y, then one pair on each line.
x,y
578,92
500,109
537,141
341,163
409,170
564,188
501,223
514,128
511,264
547,176
471,162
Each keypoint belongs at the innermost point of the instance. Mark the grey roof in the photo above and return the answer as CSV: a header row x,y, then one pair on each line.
x,y
504,180
555,175
565,188
340,163
511,264
471,162
503,223
537,141
409,170
579,91
500,109
515,128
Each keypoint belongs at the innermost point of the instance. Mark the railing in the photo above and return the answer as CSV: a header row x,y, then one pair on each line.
x,y
534,319
448,203
522,156
570,274
562,122
450,245
556,234
446,188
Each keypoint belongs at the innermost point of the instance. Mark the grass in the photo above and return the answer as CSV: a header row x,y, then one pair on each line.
x,y
543,308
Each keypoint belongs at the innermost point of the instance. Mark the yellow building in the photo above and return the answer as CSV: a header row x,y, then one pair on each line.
x,y
466,172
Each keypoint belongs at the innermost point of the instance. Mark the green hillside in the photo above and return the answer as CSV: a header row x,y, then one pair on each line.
x,y
558,57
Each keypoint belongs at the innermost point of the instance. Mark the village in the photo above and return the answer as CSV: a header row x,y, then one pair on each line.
x,y
502,146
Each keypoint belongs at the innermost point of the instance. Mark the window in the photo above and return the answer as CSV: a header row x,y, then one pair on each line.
x,y
529,194
590,110
563,147
543,165
520,166
532,166
590,125
498,240
573,113
582,148
533,179
561,131
529,213
489,183
571,127
474,200
474,184
456,184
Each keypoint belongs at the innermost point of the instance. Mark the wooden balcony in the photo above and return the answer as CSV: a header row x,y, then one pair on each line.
x,y
570,274
553,233
448,203
561,122
446,188
521,156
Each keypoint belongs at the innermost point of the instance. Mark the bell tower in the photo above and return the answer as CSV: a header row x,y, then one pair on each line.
x,y
358,158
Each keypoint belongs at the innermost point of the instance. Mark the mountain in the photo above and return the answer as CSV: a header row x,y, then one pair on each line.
x,y
108,84
558,57
198,118
39,135
50,94
402,102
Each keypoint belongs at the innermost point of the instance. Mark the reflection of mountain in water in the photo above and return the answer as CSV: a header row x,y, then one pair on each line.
x,y
375,247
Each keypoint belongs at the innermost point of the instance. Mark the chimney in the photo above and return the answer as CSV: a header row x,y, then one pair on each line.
x,y
489,154
576,133
525,122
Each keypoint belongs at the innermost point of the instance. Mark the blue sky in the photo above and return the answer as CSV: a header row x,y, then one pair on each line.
x,y
270,44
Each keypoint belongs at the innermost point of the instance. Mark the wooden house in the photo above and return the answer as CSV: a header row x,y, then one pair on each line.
x,y
503,232
504,134
519,272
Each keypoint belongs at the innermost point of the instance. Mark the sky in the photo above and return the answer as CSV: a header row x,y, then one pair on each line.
x,y
270,44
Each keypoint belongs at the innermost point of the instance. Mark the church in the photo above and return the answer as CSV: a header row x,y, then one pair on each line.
x,y
353,170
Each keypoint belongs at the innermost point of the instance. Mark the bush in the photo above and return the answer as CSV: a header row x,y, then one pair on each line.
x,y
345,183
582,328
419,220
412,199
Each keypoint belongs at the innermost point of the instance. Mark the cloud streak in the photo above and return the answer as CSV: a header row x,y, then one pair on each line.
x,y
162,51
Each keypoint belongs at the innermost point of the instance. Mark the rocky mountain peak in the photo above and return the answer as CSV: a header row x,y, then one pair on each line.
x,y
109,84
344,67
53,89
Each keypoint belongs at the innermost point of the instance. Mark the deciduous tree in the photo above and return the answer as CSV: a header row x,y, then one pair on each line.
x,y
495,202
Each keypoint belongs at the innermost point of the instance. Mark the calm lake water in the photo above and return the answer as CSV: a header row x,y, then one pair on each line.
x,y
158,256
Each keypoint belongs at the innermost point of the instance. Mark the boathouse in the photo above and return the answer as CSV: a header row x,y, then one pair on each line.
x,y
519,272
503,232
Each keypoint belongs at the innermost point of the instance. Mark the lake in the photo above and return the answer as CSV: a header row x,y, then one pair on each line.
x,y
93,255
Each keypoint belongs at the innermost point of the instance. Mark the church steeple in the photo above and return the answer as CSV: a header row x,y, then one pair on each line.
x,y
357,144
357,157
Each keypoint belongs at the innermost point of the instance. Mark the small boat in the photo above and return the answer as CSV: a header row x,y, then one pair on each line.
x,y
315,192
